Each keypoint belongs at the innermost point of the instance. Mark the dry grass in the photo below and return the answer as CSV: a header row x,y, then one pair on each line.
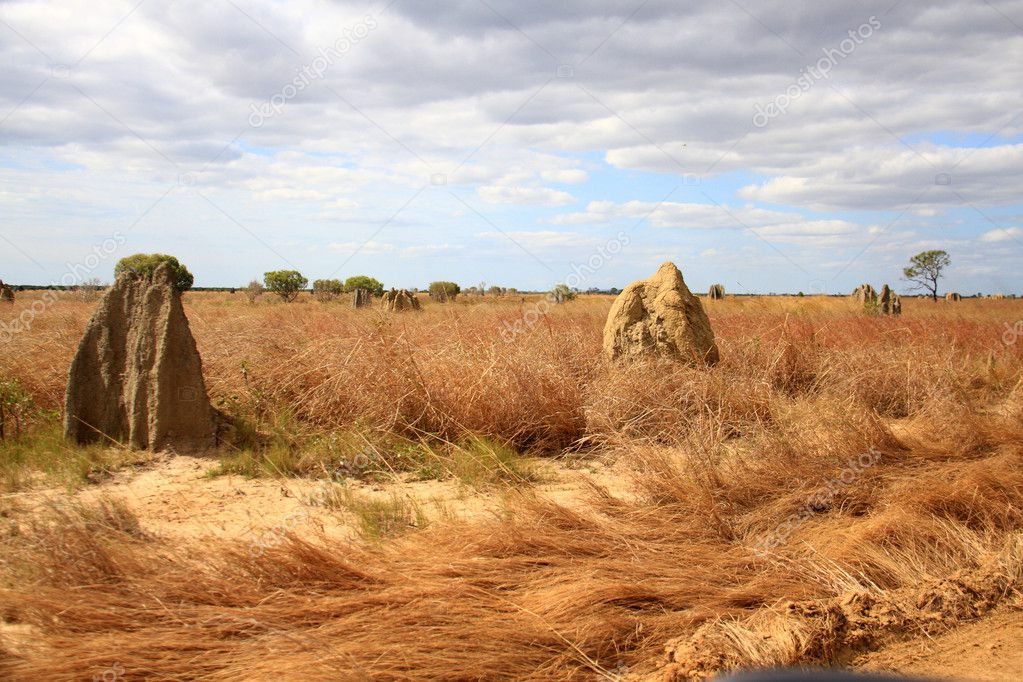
x,y
722,460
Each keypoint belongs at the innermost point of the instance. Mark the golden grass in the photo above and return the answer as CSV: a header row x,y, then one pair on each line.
x,y
747,492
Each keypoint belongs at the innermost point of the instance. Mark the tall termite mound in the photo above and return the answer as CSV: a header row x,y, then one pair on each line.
x,y
717,292
361,298
137,376
399,300
865,294
6,293
660,316
889,301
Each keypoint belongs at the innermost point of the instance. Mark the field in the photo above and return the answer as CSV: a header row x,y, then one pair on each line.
x,y
446,495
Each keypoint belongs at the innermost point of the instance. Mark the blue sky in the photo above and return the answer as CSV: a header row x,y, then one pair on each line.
x,y
509,142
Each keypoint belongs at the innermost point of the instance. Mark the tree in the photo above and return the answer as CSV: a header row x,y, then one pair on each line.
x,y
496,291
444,291
145,264
285,283
372,285
254,290
925,269
561,293
327,289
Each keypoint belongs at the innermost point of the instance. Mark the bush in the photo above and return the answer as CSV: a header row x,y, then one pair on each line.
x,y
444,291
285,283
561,293
146,264
254,290
374,286
327,289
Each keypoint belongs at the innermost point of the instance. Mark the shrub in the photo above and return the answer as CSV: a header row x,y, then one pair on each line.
x,y
364,282
254,290
147,263
327,289
444,291
285,283
561,293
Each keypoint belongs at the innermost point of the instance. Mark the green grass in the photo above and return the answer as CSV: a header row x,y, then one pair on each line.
x,y
480,463
40,456
377,517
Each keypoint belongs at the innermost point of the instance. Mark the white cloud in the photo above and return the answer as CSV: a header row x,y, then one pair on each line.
x,y
369,247
524,196
567,177
1002,235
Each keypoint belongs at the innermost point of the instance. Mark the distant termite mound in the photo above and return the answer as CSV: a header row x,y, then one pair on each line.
x,y
399,300
361,298
865,294
137,376
6,293
889,301
953,297
717,292
660,316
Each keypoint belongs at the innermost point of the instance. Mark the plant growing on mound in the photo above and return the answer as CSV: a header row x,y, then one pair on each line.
x,y
147,263
285,283
372,285
925,269
327,289
444,291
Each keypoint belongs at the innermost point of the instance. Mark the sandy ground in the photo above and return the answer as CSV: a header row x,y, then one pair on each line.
x,y
174,497
986,650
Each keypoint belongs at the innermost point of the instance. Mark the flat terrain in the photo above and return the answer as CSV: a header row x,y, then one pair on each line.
x,y
427,496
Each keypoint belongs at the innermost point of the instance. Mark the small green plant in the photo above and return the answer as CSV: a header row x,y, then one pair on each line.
x,y
146,264
481,463
285,283
16,405
377,517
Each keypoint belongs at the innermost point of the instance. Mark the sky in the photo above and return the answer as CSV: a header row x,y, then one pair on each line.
x,y
769,146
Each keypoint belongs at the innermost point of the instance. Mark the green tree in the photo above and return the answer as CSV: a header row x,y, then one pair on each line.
x,y
146,264
925,270
285,283
327,289
561,293
375,286
444,291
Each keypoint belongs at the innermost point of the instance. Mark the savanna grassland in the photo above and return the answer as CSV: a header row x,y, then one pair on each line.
x,y
838,482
